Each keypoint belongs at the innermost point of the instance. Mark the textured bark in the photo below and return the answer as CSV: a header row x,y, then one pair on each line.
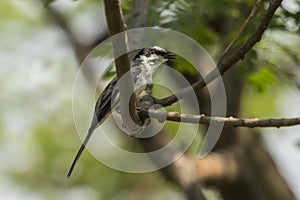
x,y
227,121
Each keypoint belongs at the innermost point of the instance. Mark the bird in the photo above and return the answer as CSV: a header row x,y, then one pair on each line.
x,y
143,65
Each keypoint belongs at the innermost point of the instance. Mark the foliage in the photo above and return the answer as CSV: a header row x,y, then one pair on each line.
x,y
262,79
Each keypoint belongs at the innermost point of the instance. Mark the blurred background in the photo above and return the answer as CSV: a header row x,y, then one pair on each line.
x,y
41,48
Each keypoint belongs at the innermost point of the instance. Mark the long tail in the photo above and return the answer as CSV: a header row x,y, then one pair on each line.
x,y
87,138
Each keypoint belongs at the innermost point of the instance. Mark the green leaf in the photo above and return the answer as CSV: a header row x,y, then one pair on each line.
x,y
262,79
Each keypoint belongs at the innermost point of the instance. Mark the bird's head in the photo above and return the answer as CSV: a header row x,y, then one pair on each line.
x,y
153,55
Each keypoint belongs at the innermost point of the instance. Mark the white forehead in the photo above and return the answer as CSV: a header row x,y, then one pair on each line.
x,y
158,48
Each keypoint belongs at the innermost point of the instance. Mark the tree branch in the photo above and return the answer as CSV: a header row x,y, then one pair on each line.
x,y
251,15
116,25
228,121
228,61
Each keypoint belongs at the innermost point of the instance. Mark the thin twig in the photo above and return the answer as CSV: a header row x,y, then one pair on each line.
x,y
228,61
252,13
228,121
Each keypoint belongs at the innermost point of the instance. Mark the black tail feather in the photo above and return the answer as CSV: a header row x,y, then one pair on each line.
x,y
87,138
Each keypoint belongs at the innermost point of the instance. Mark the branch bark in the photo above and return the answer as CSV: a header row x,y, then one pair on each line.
x,y
228,121
226,62
116,25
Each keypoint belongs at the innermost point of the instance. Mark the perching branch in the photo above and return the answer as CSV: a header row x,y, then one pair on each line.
x,y
228,61
116,25
228,121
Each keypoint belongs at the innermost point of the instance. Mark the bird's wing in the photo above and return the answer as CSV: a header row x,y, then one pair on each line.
x,y
109,98
106,101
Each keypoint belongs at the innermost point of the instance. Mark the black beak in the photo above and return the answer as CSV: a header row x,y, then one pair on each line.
x,y
170,56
